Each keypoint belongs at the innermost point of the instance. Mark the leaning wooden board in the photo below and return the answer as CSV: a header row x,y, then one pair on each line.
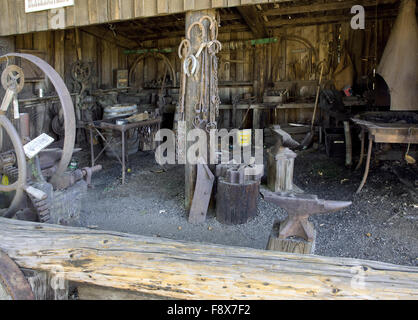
x,y
180,270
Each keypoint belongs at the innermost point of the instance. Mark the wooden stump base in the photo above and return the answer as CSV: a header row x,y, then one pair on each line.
x,y
299,246
236,203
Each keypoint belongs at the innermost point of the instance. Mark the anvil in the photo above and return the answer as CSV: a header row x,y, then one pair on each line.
x,y
300,207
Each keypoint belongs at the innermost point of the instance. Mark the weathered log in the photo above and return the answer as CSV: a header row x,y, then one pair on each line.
x,y
182,270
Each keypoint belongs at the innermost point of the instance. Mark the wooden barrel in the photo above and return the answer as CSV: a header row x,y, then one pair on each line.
x,y
236,203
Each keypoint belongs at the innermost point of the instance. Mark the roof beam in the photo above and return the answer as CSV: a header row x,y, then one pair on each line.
x,y
324,7
108,35
175,34
325,19
254,20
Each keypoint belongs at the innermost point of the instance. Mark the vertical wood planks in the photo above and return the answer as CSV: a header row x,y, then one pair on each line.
x,y
14,20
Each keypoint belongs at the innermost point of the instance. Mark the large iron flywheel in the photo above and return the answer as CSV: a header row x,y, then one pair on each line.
x,y
68,112
13,284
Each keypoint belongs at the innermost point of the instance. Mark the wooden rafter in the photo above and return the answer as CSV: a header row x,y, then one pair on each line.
x,y
319,7
325,19
254,20
105,34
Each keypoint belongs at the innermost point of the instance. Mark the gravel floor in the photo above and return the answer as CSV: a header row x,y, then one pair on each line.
x,y
381,225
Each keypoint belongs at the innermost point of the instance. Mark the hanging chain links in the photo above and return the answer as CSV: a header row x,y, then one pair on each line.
x,y
203,64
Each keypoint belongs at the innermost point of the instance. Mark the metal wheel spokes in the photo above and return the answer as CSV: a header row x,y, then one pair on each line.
x,y
67,108
13,78
81,71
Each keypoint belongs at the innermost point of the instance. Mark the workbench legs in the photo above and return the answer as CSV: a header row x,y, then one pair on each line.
x,y
369,158
363,138
108,144
123,158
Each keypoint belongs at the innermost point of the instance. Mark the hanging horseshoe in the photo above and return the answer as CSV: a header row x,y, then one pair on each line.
x,y
190,61
213,26
218,47
202,29
185,45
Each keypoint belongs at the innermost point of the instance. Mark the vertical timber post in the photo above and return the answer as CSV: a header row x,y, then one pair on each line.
x,y
192,98
7,45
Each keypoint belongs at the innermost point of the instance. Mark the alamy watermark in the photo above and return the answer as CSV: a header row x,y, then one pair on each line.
x,y
358,22
197,145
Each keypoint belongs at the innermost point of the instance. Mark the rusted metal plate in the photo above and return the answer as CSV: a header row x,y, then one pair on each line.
x,y
13,284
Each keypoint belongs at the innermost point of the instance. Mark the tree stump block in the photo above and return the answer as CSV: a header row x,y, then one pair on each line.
x,y
292,245
236,203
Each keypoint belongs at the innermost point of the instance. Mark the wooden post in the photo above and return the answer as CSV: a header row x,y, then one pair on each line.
x,y
59,57
7,45
192,98
257,112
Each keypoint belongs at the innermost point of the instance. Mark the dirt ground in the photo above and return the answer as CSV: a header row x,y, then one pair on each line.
x,y
381,225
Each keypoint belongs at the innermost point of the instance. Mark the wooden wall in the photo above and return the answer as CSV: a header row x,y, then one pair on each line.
x,y
285,60
59,49
259,66
14,20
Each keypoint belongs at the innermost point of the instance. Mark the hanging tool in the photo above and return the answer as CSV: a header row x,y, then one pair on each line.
x,y
309,138
409,159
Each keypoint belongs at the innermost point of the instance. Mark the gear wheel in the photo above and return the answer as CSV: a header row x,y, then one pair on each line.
x,y
41,206
81,71
13,78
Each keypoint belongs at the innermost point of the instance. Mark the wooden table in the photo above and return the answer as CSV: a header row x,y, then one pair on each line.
x,y
99,126
383,133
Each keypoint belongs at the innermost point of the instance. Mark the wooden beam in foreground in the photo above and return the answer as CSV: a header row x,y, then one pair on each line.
x,y
179,270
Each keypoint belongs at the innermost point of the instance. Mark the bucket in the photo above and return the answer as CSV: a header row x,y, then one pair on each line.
x,y
244,138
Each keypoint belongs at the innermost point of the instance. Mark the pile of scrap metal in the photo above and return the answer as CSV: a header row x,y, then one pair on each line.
x,y
37,184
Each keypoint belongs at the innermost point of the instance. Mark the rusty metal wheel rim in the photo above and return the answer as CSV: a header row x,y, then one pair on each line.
x,y
13,281
21,164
